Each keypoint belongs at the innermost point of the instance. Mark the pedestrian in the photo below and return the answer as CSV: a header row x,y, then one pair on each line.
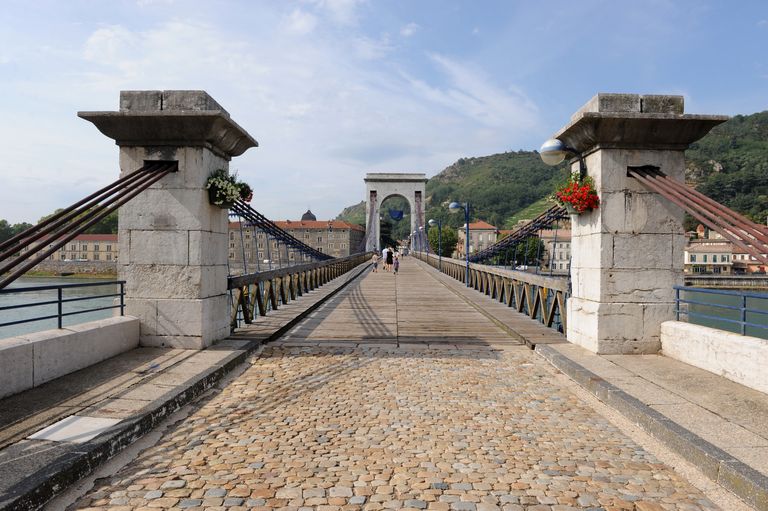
x,y
396,264
390,256
375,262
384,253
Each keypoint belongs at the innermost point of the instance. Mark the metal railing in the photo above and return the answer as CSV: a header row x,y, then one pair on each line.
x,y
736,311
540,297
255,294
60,301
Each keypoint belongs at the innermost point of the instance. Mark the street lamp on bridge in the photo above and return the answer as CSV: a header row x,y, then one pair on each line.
x,y
439,225
455,207
554,151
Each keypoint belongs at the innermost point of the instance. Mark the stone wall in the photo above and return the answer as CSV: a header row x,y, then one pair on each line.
x,y
32,359
739,358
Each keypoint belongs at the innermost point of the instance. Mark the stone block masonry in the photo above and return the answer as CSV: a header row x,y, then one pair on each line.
x,y
626,255
173,243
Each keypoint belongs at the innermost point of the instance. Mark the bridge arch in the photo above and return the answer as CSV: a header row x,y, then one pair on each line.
x,y
381,186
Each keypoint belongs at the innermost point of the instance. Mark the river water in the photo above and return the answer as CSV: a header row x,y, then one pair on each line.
x,y
47,310
721,313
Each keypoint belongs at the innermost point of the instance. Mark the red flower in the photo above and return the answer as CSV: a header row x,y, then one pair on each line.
x,y
579,193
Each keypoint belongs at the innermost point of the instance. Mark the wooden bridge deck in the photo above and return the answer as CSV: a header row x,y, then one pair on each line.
x,y
416,307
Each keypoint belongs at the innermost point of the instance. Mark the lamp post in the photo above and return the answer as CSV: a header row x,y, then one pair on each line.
x,y
454,207
439,225
424,247
554,151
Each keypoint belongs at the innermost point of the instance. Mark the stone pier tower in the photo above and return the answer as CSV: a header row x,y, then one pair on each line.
x,y
173,243
627,255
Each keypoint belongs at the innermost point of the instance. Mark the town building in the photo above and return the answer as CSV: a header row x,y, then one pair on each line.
x,y
708,256
481,236
84,247
557,251
336,238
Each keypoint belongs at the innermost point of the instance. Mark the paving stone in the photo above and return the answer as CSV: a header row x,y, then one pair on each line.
x,y
177,483
472,421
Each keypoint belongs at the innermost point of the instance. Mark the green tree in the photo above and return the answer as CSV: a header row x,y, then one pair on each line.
x,y
5,230
107,225
449,239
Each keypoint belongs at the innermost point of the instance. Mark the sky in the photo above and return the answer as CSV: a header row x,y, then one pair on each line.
x,y
334,89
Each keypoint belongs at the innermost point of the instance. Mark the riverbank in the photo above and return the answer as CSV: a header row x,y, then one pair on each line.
x,y
82,269
46,274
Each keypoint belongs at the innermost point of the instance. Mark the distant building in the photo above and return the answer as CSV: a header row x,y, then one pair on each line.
x,y
708,256
746,264
84,247
481,236
333,237
557,251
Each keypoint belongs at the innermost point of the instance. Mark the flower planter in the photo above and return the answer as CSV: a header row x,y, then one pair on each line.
x,y
570,209
213,197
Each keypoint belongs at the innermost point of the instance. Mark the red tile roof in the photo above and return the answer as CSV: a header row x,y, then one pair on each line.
x,y
481,225
309,224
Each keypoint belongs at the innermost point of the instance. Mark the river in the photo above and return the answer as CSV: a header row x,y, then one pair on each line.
x,y
47,310
757,304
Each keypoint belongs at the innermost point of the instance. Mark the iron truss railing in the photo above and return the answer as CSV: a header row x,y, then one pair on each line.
x,y
752,238
256,294
257,220
543,221
27,249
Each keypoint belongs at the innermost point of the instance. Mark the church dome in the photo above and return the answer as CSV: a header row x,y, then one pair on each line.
x,y
308,216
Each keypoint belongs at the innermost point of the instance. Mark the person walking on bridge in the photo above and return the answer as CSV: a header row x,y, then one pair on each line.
x,y
384,253
396,264
375,262
390,257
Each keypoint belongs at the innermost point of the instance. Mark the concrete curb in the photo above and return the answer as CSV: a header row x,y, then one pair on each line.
x,y
743,481
81,460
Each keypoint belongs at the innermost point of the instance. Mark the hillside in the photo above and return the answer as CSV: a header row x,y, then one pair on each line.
x,y
730,165
496,186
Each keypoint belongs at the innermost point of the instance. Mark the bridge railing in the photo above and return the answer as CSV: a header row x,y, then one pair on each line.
x,y
736,311
540,297
31,304
255,294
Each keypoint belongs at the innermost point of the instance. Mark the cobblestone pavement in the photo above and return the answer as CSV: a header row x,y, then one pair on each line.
x,y
341,428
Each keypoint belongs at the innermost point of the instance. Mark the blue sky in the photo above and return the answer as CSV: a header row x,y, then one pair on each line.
x,y
333,89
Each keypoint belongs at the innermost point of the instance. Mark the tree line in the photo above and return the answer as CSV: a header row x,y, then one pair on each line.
x,y
107,225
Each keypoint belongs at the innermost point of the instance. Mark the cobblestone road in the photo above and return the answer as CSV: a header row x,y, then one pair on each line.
x,y
336,427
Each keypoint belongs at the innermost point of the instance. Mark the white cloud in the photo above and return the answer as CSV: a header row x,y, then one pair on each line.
x,y
109,44
409,29
472,94
343,12
301,22
372,49
324,109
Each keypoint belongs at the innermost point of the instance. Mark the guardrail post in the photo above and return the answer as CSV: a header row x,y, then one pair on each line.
x,y
743,324
173,242
628,254
59,306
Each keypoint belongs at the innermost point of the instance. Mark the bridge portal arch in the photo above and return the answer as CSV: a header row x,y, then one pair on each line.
x,y
379,186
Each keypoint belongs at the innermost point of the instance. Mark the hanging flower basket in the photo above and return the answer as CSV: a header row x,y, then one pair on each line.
x,y
577,195
224,189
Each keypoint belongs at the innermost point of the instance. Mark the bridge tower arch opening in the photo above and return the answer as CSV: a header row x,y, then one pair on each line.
x,y
394,219
379,187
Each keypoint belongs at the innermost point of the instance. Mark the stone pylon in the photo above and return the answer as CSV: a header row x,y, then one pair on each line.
x,y
173,242
628,254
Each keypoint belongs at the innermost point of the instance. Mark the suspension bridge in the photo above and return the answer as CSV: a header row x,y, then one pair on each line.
x,y
449,385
